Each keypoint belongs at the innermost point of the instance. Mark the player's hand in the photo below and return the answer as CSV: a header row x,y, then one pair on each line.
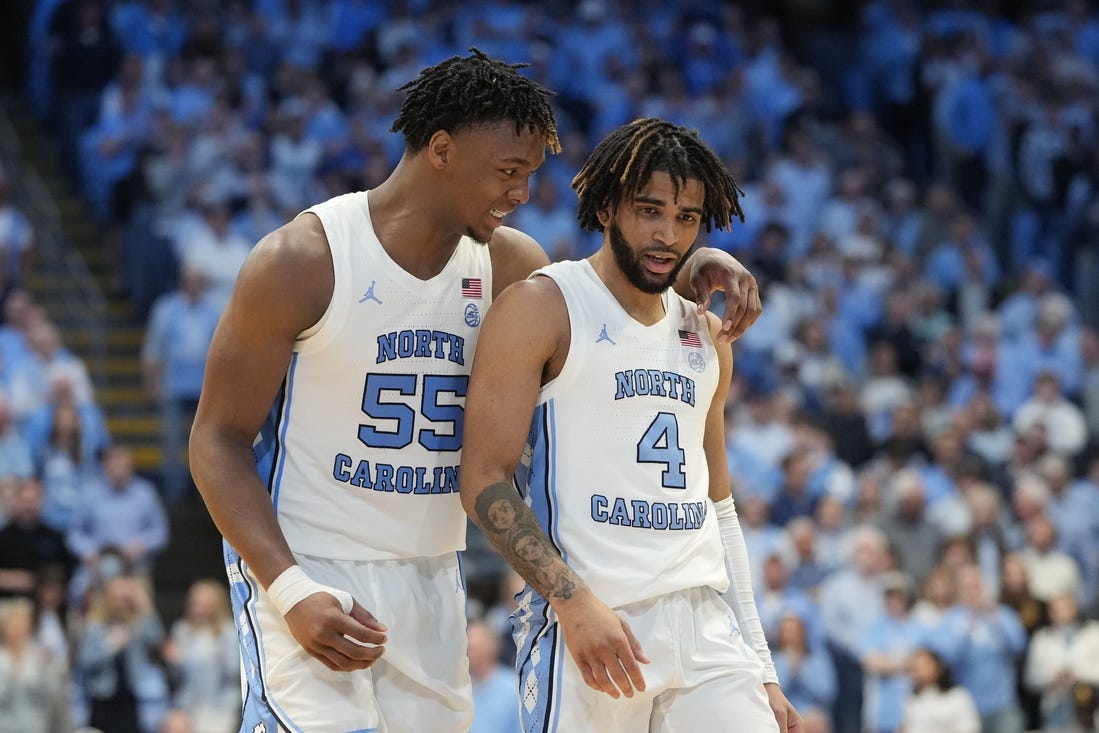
x,y
334,637
602,645
712,269
785,715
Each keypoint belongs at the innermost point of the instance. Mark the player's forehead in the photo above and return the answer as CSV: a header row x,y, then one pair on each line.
x,y
664,188
505,141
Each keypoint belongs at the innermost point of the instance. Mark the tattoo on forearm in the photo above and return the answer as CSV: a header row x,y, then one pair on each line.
x,y
511,526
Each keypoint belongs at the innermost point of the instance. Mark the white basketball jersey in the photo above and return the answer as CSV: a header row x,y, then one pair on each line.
x,y
614,466
363,445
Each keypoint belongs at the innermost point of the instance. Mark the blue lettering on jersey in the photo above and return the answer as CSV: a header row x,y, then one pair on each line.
x,y
648,515
398,479
421,343
640,382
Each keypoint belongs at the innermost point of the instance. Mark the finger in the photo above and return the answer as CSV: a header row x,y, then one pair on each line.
x,y
366,618
616,669
360,634
326,656
780,718
703,286
752,311
358,652
346,662
734,310
602,680
628,659
589,678
703,303
635,645
793,719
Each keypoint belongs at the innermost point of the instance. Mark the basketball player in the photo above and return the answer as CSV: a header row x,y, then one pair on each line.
x,y
339,369
608,417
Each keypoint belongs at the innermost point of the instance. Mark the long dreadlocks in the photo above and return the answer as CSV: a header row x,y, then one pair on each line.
x,y
464,91
626,159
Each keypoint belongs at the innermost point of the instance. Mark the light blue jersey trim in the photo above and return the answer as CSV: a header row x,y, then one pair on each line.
x,y
551,476
285,420
543,649
538,483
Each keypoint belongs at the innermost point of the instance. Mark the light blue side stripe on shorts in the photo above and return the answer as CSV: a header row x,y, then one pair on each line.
x,y
259,710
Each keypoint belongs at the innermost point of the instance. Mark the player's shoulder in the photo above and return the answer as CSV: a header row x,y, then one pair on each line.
x,y
532,292
514,257
294,262
713,323
300,241
531,300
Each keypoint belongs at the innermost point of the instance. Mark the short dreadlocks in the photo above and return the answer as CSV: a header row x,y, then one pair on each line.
x,y
473,90
624,162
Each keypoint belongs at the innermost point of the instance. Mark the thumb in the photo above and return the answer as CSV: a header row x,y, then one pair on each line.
x,y
345,600
635,645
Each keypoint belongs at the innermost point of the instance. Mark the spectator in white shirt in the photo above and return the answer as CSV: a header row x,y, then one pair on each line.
x,y
936,704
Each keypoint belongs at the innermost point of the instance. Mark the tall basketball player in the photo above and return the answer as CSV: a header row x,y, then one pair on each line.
x,y
339,368
608,418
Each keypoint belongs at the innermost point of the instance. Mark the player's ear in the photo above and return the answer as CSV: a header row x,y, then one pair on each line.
x,y
439,149
604,216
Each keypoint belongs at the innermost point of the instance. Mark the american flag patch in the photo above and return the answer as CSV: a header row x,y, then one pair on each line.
x,y
471,287
690,338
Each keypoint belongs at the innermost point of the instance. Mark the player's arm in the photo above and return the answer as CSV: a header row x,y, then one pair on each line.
x,y
514,257
713,269
283,288
740,596
508,369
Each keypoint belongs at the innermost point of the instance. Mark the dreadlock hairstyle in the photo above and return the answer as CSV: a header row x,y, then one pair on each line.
x,y
624,162
472,90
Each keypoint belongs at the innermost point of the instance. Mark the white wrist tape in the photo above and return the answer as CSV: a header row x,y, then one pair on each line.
x,y
293,586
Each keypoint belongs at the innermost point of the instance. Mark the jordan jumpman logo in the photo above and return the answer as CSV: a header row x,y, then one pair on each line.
x,y
370,294
604,337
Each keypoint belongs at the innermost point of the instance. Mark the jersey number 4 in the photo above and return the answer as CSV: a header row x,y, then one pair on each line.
x,y
431,408
660,444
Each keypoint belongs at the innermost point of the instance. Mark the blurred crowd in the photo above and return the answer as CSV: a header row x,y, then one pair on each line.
x,y
913,429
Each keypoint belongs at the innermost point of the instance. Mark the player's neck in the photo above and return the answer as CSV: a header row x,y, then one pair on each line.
x,y
403,222
645,308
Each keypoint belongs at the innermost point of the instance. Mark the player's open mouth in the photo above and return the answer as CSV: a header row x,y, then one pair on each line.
x,y
659,263
497,213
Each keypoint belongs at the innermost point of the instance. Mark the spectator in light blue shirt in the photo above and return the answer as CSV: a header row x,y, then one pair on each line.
x,y
805,673
887,646
121,511
174,360
850,601
15,456
775,598
965,256
982,640
495,705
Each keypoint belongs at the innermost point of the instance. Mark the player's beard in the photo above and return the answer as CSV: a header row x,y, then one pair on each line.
x,y
630,263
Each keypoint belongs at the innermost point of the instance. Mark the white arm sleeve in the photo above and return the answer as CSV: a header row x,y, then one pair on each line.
x,y
740,597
